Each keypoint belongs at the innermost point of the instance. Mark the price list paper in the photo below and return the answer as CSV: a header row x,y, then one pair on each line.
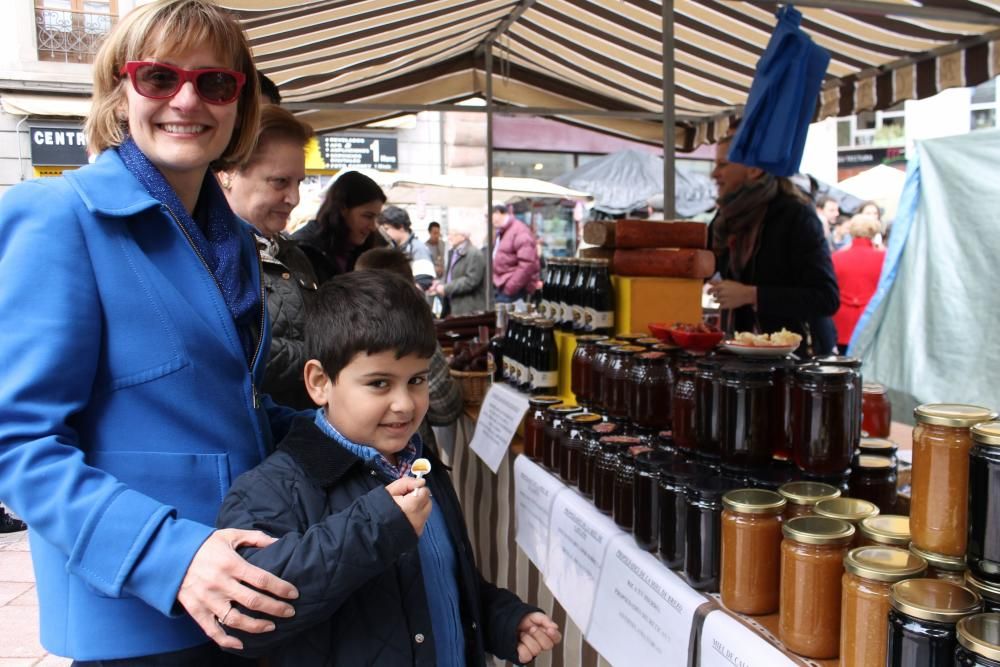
x,y
725,642
499,416
535,491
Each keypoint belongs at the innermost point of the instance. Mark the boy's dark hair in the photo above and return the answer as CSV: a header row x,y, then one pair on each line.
x,y
268,88
434,225
395,217
386,259
367,312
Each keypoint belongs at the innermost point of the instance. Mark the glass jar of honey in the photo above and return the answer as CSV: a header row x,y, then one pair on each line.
x,y
978,641
591,450
746,413
646,512
597,369
703,542
534,426
651,382
851,510
812,564
672,493
606,469
615,381
708,399
876,410
983,550
990,593
554,432
582,367
751,550
853,364
870,573
939,486
879,447
822,416
578,426
922,621
940,566
885,530
682,409
873,478
803,496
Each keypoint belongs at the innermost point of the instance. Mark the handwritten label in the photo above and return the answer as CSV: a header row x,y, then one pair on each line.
x,y
535,490
725,642
502,411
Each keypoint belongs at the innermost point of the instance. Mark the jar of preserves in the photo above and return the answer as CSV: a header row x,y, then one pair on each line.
x,y
591,450
978,641
615,381
940,566
873,478
597,368
746,413
578,426
812,564
939,486
682,409
708,399
751,550
990,593
534,426
648,342
772,477
876,410
630,337
853,364
606,469
651,382
623,500
864,606
784,382
581,367
703,542
822,412
851,510
922,621
878,447
803,496
646,511
885,530
555,431
983,551
672,493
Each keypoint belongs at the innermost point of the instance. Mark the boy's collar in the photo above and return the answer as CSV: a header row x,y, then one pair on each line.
x,y
311,447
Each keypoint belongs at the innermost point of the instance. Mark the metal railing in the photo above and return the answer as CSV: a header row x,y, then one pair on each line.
x,y
70,36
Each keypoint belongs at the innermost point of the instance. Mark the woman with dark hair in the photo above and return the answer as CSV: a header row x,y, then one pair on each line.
x,y
344,227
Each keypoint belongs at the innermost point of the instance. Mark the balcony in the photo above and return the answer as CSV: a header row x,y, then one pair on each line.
x,y
70,36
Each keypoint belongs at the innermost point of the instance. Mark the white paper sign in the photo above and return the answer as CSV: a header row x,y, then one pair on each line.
x,y
578,537
725,642
643,612
502,411
534,492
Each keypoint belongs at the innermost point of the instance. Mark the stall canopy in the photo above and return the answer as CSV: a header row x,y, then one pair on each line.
x,y
572,59
881,184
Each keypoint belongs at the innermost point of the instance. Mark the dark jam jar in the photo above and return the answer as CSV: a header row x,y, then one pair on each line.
x,y
578,426
784,381
651,382
606,469
772,477
591,450
682,410
922,621
983,550
852,364
990,593
623,501
873,478
746,416
708,390
978,641
554,433
822,413
879,447
615,381
534,426
672,493
597,368
581,370
876,410
648,342
703,543
646,513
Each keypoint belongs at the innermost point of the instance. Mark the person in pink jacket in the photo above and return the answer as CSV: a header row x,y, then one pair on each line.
x,y
515,258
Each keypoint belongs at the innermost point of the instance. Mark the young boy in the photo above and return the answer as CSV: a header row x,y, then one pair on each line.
x,y
383,564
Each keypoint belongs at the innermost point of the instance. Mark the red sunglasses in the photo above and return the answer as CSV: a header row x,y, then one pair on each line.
x,y
160,81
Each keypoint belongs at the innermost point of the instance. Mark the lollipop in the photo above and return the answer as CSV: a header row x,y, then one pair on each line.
x,y
420,468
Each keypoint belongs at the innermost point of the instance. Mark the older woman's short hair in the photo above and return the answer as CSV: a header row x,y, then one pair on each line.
x,y
277,124
864,226
157,30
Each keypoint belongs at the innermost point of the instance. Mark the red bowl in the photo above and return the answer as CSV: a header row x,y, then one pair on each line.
x,y
661,331
697,341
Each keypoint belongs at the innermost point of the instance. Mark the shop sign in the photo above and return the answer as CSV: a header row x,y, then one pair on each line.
x,y
58,145
869,157
340,151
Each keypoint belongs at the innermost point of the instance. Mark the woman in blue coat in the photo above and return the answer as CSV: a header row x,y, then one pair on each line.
x,y
134,341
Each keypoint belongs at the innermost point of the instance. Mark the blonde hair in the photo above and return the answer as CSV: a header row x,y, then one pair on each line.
x,y
277,124
864,226
155,30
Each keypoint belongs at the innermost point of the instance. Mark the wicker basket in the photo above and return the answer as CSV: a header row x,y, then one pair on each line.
x,y
474,384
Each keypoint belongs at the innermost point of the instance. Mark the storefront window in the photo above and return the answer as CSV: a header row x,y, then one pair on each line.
x,y
525,164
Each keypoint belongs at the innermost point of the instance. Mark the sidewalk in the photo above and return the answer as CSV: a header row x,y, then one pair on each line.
x,y
19,645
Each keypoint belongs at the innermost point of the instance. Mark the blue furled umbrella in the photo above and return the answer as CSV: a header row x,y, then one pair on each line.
x,y
782,101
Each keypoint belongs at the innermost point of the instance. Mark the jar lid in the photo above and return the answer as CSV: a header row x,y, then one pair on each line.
x,y
872,388
708,488
605,428
610,342
980,634
933,600
754,501
838,360
955,415
631,337
651,356
884,564
987,433
940,561
544,401
618,442
874,462
679,472
808,493
848,509
627,349
666,347
648,341
590,338
653,460
825,374
891,529
985,589
883,446
563,410
584,419
818,530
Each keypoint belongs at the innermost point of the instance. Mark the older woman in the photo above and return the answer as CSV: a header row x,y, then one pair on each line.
x,y
134,332
263,190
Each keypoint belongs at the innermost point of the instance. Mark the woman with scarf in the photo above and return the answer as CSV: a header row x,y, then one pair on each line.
x,y
772,257
135,336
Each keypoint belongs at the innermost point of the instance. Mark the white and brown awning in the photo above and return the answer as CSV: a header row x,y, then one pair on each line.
x,y
592,56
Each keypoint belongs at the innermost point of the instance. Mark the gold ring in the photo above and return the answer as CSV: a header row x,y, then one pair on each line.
x,y
222,621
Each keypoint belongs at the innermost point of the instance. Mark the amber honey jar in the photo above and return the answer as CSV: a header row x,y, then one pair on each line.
x,y
812,566
939,486
534,426
803,496
983,551
885,530
990,593
876,410
869,575
922,618
873,478
940,566
751,550
978,641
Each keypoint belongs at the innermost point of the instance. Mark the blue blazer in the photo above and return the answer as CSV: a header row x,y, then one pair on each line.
x,y
127,406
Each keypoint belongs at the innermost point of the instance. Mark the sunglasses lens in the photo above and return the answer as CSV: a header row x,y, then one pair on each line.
x,y
156,81
218,86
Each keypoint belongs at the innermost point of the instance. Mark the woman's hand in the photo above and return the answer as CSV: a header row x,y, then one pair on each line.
x,y
731,294
536,633
218,576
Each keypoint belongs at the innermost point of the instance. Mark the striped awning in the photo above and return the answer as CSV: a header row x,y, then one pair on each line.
x,y
592,56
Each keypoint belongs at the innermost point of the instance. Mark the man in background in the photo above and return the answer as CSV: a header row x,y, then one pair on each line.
x,y
437,248
515,258
394,222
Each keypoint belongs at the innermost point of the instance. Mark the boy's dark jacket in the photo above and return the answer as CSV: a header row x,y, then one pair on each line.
x,y
361,592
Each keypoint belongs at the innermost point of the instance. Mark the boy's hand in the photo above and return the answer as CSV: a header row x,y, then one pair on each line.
x,y
416,505
536,633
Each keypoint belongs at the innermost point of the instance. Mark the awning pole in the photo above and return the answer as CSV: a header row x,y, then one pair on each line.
x,y
669,121
489,176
